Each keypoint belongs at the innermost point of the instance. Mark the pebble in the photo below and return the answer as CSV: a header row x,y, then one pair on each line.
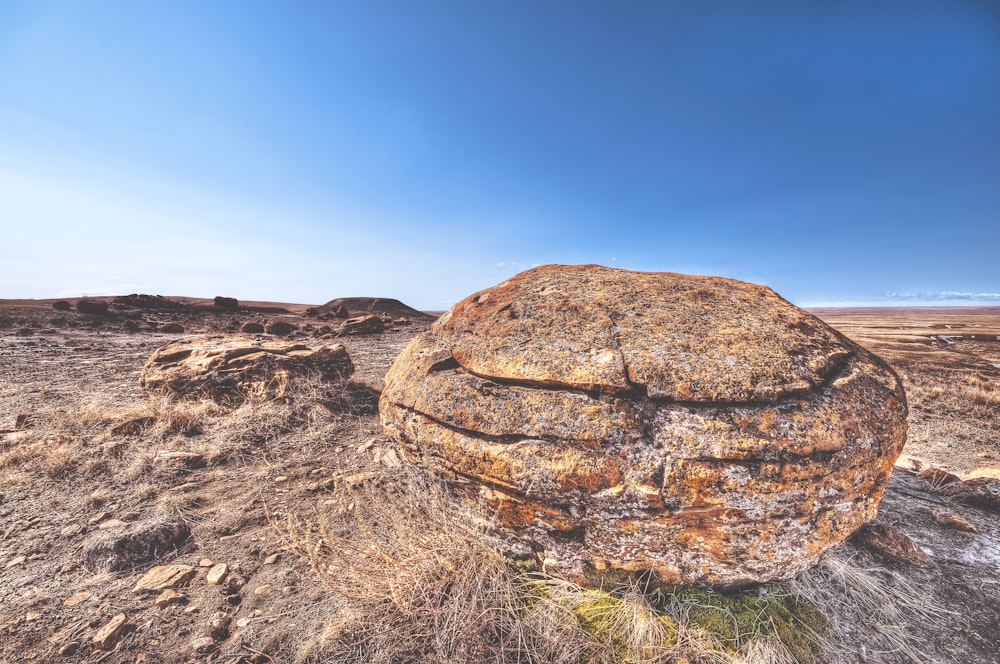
x,y
217,574
163,577
203,644
168,597
106,637
260,590
271,559
205,562
15,561
280,478
71,529
69,649
97,518
218,624
78,598
110,523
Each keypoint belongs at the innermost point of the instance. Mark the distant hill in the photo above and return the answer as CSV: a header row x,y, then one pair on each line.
x,y
357,306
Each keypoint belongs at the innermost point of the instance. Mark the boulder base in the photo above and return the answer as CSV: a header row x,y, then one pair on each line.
x,y
228,368
701,427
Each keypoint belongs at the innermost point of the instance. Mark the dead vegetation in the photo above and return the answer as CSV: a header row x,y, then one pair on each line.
x,y
340,552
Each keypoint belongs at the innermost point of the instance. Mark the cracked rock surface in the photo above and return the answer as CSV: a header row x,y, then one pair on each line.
x,y
699,426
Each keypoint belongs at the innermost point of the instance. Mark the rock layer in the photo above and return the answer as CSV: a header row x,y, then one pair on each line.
x,y
231,367
698,426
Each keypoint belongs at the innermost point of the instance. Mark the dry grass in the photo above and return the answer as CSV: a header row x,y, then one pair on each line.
x,y
870,601
418,578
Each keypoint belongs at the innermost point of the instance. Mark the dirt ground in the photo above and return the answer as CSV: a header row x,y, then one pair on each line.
x,y
84,451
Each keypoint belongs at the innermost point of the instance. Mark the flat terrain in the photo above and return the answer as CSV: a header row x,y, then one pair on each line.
x,y
84,451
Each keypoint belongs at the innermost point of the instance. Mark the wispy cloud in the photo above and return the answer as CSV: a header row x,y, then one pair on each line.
x,y
943,296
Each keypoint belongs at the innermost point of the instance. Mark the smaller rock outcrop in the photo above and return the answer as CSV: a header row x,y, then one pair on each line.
x,y
280,328
252,328
228,368
61,305
93,307
134,544
229,303
367,324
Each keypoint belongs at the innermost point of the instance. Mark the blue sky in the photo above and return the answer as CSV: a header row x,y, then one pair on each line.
x,y
301,151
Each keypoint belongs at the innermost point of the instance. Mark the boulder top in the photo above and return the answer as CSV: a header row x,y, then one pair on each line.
x,y
674,336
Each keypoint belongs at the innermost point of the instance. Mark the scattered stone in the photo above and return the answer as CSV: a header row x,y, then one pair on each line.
x,y
218,624
93,307
252,328
262,589
231,367
61,305
97,518
951,519
106,637
173,328
243,622
71,530
169,597
937,476
234,582
109,524
164,577
191,609
367,324
134,544
205,562
203,644
15,561
69,649
271,559
280,328
78,598
701,427
280,478
892,543
216,575
148,302
983,492
229,303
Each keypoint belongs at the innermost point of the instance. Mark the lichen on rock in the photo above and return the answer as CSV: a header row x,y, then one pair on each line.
x,y
698,426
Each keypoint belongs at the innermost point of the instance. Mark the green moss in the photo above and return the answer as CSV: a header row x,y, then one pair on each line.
x,y
736,619
603,616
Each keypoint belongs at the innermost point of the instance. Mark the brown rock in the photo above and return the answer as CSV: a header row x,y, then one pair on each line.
x,y
203,644
230,303
169,597
106,637
93,307
280,328
367,324
134,544
252,328
173,328
69,649
893,543
61,305
698,426
229,368
218,624
983,492
217,574
951,519
164,577
78,598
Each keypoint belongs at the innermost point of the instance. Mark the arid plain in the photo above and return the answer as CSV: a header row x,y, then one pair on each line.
x,y
84,451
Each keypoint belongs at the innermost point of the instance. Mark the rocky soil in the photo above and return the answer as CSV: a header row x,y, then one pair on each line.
x,y
136,528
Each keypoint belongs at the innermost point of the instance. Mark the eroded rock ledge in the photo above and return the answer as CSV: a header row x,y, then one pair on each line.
x,y
699,426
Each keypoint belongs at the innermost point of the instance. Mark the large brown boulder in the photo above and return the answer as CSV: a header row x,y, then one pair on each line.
x,y
367,324
698,426
229,368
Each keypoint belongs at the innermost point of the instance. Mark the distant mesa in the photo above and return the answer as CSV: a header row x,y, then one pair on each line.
x,y
345,307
